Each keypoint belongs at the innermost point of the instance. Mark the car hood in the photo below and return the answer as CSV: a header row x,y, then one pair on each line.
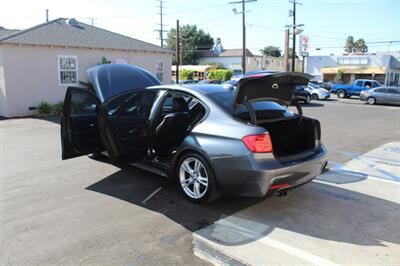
x,y
112,79
278,87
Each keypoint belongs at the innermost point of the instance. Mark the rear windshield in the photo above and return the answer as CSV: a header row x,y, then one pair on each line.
x,y
263,109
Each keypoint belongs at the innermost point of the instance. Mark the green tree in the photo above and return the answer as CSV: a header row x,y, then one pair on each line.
x,y
193,41
186,74
349,48
104,61
271,51
339,75
220,74
360,46
291,52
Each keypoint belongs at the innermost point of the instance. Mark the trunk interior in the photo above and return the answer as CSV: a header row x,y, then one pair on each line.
x,y
294,136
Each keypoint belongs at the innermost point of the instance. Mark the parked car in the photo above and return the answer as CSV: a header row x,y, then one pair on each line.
x,y
318,93
189,81
388,95
346,91
230,83
209,81
301,94
209,139
255,73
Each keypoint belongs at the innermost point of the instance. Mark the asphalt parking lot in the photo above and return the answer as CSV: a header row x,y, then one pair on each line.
x,y
83,211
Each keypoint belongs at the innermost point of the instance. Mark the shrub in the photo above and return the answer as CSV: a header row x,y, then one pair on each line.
x,y
186,74
44,108
339,75
57,108
220,74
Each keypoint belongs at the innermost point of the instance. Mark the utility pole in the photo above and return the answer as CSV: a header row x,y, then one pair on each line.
x,y
47,15
161,30
177,52
294,33
286,55
243,2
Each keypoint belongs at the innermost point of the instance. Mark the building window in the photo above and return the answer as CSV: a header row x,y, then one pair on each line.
x,y
121,61
160,70
353,60
67,70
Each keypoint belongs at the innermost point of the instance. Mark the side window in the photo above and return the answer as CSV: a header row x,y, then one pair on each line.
x,y
374,85
393,91
160,70
113,105
83,103
359,83
368,84
380,90
139,105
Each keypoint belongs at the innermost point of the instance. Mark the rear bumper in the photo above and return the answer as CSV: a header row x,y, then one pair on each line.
x,y
248,176
364,97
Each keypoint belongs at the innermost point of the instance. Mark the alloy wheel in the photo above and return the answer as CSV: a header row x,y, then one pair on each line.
x,y
371,100
193,178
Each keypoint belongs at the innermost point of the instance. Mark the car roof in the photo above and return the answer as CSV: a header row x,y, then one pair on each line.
x,y
202,88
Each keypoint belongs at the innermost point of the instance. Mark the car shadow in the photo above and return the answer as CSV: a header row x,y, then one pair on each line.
x,y
136,186
312,104
317,209
330,100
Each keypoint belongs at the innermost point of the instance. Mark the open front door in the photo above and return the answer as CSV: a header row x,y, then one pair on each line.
x,y
79,131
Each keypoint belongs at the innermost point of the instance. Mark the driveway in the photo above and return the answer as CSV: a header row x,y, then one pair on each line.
x,y
90,212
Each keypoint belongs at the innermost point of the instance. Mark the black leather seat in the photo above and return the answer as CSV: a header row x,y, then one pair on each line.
x,y
173,128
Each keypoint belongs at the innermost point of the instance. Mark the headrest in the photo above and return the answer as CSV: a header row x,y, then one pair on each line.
x,y
179,105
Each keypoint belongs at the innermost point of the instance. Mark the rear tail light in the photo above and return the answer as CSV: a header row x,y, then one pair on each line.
x,y
258,143
279,186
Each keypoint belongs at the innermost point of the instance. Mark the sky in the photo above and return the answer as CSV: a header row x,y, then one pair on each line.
x,y
327,22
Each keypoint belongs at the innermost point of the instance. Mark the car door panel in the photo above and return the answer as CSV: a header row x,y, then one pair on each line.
x,y
127,130
79,131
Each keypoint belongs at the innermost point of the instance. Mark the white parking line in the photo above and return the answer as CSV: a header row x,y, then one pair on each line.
x,y
307,256
151,195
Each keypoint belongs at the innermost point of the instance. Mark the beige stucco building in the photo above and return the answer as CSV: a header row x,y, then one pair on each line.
x,y
38,64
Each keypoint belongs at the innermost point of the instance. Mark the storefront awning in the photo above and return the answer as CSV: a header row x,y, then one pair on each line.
x,y
354,70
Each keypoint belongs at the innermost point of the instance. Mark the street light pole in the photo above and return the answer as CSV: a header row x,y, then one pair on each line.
x,y
243,2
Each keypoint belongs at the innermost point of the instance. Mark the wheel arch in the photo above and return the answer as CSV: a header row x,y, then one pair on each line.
x,y
186,150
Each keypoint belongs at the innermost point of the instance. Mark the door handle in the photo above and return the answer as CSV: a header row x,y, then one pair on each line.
x,y
92,124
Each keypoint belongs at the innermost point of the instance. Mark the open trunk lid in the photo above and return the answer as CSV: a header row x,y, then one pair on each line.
x,y
112,79
276,87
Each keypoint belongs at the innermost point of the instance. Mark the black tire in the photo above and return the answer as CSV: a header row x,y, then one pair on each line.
x,y
210,193
341,94
348,96
371,100
314,96
308,99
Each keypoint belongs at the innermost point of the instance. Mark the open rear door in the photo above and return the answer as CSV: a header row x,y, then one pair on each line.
x,y
79,131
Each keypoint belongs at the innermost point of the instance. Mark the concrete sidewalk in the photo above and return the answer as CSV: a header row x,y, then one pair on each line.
x,y
350,215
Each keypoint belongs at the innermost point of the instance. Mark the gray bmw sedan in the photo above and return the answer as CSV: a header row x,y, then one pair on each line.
x,y
210,139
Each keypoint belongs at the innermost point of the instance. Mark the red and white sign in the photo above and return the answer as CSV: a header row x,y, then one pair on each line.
x,y
304,45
